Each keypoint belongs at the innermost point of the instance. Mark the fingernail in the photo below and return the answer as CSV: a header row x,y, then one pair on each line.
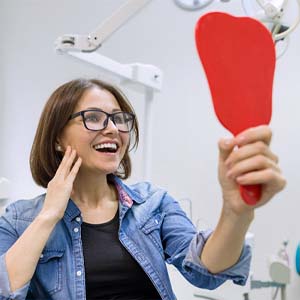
x,y
227,142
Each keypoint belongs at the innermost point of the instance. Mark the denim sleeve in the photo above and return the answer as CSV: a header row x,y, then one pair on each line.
x,y
183,247
8,236
238,273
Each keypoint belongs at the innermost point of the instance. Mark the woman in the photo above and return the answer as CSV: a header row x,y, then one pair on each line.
x,y
93,237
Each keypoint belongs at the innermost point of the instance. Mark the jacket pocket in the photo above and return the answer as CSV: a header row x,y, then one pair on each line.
x,y
152,228
49,271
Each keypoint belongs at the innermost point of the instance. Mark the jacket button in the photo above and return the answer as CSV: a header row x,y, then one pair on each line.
x,y
76,229
78,273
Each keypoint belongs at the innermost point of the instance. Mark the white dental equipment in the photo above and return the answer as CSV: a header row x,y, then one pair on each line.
x,y
267,11
272,12
148,78
192,4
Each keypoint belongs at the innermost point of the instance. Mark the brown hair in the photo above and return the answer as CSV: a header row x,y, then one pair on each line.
x,y
44,159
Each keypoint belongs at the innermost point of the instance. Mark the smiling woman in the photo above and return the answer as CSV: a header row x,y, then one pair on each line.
x,y
91,236
59,115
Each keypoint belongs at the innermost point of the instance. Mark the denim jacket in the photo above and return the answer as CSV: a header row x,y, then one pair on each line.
x,y
153,228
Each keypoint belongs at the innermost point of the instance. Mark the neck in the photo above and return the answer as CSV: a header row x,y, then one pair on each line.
x,y
92,190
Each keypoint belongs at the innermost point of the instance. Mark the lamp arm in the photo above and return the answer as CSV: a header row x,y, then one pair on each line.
x,y
274,11
284,34
93,40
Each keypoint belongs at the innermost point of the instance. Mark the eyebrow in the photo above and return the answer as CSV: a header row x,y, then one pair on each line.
x,y
114,110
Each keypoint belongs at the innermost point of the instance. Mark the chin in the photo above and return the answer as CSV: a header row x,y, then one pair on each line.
x,y
108,170
101,169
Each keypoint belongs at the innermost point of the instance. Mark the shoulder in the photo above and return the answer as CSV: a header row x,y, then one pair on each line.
x,y
153,196
148,195
25,209
146,189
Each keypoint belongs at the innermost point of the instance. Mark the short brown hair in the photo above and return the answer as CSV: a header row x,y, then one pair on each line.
x,y
44,159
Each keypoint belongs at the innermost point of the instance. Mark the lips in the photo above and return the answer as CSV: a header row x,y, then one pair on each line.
x,y
110,147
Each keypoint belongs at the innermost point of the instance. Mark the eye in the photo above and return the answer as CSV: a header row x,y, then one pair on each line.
x,y
93,117
119,118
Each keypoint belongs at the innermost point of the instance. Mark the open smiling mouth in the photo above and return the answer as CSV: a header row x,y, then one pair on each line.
x,y
106,148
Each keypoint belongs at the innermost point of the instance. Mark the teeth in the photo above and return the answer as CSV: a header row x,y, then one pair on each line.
x,y
106,145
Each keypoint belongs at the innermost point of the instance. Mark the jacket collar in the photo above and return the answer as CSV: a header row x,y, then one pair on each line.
x,y
127,196
72,211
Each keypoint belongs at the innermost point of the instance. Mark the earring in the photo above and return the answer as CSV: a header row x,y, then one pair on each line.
x,y
58,148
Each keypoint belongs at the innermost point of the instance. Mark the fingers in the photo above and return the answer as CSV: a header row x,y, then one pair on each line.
x,y
60,187
247,159
261,133
260,136
226,146
67,163
266,177
253,142
248,152
252,161
252,164
251,150
75,169
64,160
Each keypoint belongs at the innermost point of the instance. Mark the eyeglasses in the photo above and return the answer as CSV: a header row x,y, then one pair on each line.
x,y
96,119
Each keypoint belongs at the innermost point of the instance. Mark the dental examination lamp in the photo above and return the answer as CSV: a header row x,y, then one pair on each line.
x,y
141,77
269,12
272,14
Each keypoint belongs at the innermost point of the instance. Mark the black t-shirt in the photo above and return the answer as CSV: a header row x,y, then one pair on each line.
x,y
111,272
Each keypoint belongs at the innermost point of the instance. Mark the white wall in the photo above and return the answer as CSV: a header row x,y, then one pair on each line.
x,y
184,157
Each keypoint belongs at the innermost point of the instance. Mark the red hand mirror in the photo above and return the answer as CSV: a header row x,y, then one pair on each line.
x,y
238,57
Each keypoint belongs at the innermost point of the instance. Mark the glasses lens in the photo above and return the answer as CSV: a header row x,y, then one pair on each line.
x,y
95,120
123,121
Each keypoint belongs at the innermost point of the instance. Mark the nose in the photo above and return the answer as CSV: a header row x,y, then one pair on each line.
x,y
110,127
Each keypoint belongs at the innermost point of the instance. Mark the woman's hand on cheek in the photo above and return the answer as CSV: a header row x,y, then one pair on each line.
x,y
60,187
247,160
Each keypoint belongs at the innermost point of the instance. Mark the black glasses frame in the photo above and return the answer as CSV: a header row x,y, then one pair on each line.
x,y
108,116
